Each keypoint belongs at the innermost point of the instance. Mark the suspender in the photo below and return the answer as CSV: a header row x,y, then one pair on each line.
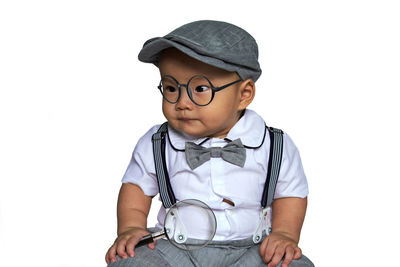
x,y
164,186
274,166
166,193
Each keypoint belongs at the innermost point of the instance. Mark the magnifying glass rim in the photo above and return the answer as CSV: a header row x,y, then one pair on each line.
x,y
204,206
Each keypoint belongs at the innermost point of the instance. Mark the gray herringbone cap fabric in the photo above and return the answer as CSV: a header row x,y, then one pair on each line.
x,y
220,44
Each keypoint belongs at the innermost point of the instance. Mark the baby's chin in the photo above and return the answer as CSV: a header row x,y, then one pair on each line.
x,y
192,132
200,134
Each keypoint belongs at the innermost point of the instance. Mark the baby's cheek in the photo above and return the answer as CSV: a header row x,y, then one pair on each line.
x,y
211,122
166,110
218,119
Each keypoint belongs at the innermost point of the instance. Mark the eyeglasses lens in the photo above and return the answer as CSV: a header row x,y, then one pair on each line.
x,y
169,89
200,90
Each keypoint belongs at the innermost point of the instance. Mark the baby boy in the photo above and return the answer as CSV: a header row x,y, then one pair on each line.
x,y
248,173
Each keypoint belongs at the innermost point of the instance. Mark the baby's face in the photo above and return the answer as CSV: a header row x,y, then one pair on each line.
x,y
213,120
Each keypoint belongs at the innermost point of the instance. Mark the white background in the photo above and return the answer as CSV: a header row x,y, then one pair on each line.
x,y
74,100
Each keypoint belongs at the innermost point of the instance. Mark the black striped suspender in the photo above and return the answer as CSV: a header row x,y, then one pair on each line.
x,y
274,165
164,186
167,195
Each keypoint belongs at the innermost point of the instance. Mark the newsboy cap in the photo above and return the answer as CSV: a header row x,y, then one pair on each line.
x,y
220,44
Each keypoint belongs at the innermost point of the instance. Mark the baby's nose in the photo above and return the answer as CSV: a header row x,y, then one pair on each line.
x,y
184,100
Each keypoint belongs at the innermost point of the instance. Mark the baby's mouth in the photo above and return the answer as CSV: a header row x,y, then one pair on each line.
x,y
185,119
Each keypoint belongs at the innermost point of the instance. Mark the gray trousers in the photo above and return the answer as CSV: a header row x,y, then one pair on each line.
x,y
238,253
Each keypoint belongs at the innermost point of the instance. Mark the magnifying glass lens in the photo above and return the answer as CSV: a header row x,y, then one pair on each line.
x,y
189,225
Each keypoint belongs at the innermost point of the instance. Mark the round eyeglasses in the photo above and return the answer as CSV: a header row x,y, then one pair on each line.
x,y
199,89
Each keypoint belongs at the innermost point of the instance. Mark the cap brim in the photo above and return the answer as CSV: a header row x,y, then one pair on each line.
x,y
152,48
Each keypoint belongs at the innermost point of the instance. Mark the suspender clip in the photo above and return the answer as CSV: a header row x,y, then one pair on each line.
x,y
264,223
174,227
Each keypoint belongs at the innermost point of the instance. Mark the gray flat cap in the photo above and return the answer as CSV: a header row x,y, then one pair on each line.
x,y
216,43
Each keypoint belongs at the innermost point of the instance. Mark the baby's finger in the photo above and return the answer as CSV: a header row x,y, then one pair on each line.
x,y
297,253
152,245
111,254
288,256
277,257
121,246
263,247
270,251
130,246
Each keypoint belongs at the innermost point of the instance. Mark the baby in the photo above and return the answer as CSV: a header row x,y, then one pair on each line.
x,y
248,173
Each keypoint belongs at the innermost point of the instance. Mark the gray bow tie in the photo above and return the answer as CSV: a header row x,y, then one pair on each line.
x,y
234,152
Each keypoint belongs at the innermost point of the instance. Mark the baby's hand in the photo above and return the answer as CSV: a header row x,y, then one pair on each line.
x,y
277,245
125,243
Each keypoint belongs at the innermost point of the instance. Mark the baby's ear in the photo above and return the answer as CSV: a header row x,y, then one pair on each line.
x,y
247,91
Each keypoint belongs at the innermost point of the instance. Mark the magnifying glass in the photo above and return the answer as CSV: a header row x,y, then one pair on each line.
x,y
189,224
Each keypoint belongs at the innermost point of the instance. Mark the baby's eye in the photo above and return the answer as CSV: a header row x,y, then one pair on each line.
x,y
201,88
170,89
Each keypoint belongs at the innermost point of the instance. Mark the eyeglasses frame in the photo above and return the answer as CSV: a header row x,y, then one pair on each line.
x,y
213,88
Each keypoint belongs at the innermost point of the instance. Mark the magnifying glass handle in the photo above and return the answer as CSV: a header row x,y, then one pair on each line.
x,y
147,239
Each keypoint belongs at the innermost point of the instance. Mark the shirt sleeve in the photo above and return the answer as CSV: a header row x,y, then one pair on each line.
x,y
292,181
141,170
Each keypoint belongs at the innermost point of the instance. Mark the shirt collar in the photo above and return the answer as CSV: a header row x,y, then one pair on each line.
x,y
250,128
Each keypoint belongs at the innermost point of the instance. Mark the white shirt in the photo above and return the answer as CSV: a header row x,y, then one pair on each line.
x,y
217,179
